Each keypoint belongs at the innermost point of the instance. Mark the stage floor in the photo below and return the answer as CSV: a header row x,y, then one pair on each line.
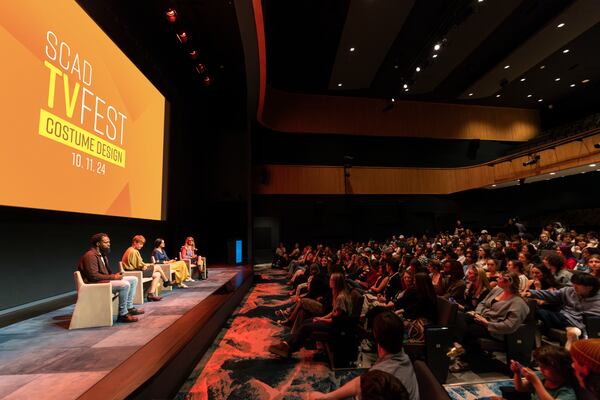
x,y
41,359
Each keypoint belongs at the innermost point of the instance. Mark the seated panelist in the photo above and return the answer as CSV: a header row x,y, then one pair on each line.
x,y
94,268
190,252
160,257
132,261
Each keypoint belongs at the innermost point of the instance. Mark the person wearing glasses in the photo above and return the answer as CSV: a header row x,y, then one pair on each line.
x,y
500,313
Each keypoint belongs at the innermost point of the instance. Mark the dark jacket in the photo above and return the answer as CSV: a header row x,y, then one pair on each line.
x,y
93,269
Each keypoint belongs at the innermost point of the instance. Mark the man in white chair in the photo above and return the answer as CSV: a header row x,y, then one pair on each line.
x,y
94,268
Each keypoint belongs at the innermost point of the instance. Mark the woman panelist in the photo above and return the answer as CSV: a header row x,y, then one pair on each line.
x,y
159,256
189,252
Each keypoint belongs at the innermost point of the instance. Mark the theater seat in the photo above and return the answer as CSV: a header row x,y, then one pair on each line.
x,y
592,331
429,386
517,345
342,345
438,339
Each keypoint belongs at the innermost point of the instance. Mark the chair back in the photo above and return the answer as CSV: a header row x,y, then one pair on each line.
x,y
78,280
446,312
357,302
429,387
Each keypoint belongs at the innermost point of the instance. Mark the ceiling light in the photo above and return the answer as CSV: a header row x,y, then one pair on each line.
x,y
506,66
437,47
540,100
418,69
497,95
395,67
352,49
171,15
405,86
572,85
182,37
592,165
435,56
494,185
406,90
339,85
480,1
470,94
542,66
207,81
560,25
522,79
552,173
585,81
193,54
200,68
393,100
529,95
557,79
565,51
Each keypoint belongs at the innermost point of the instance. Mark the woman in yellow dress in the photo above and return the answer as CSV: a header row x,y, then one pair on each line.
x,y
160,257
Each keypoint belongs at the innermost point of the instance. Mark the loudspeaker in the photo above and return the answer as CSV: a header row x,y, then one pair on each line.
x,y
472,149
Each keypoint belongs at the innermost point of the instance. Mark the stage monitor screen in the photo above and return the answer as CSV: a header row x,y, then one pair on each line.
x,y
83,129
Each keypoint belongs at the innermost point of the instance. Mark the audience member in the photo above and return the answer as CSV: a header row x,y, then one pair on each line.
x,y
586,364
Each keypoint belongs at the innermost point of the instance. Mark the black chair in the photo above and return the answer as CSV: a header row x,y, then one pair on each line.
x,y
518,345
342,345
429,386
438,339
592,328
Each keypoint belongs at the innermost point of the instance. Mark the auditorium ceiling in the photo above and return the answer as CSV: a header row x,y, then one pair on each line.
x,y
515,53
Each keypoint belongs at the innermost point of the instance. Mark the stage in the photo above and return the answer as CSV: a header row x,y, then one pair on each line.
x,y
41,358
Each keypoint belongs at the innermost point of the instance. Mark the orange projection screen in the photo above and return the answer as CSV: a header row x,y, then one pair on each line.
x,y
82,128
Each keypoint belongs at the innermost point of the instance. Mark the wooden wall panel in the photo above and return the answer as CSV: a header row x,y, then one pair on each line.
x,y
300,113
285,179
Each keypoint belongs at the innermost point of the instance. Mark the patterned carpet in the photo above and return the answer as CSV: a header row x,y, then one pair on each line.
x,y
479,391
239,366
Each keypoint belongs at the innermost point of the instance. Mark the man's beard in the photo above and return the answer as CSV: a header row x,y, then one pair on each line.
x,y
105,251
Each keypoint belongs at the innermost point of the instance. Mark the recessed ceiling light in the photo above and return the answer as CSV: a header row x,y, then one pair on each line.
x,y
494,185
529,95
552,173
480,1
557,79
395,67
352,49
418,69
506,66
565,51
585,81
405,86
437,47
592,165
560,25
339,85
393,100
498,95
572,85
542,66
435,56
406,90
470,94
540,100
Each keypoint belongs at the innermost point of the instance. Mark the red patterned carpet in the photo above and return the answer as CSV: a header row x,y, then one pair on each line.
x,y
239,365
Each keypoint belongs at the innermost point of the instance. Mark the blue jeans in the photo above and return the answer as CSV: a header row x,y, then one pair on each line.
x,y
126,288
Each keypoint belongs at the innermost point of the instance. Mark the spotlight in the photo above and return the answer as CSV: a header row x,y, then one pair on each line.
x,y
437,47
193,54
418,69
200,68
207,81
182,37
171,15
532,160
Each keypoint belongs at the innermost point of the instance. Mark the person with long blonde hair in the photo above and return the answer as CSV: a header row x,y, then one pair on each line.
x,y
342,306
190,252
